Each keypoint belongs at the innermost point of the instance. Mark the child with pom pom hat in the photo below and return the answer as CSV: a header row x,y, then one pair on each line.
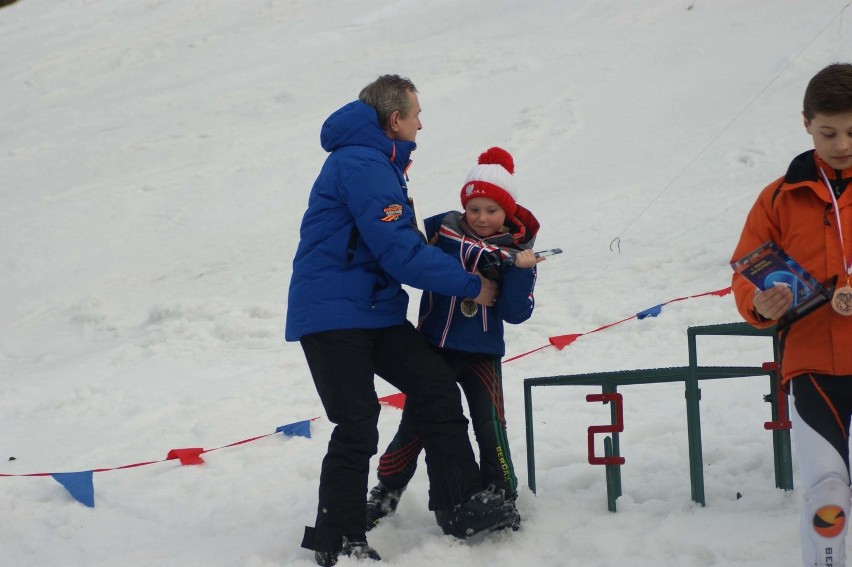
x,y
494,235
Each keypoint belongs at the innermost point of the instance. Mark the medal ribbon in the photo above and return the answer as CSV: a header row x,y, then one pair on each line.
x,y
846,265
465,255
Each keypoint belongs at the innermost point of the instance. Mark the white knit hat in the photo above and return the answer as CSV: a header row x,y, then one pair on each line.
x,y
492,178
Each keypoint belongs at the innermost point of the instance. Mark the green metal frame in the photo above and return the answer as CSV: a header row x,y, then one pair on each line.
x,y
690,375
780,437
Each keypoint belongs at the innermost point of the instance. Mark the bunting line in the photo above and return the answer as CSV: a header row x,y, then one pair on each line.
x,y
80,484
562,341
81,487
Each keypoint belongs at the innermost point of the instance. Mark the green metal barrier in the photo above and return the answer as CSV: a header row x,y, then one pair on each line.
x,y
780,436
690,375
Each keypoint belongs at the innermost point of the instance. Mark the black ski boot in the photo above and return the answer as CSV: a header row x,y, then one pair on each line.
x,y
382,502
357,549
514,522
487,509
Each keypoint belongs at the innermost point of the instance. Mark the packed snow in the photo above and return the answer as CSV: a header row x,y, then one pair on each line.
x,y
156,158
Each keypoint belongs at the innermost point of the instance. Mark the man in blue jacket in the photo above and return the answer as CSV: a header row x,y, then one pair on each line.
x,y
346,306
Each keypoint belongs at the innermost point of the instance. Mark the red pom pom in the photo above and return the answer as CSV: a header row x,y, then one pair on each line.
x,y
497,156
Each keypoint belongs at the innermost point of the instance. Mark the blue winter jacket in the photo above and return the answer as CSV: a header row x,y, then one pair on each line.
x,y
358,241
442,320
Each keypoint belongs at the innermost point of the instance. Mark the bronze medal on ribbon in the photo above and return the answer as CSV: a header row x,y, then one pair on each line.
x,y
842,300
469,308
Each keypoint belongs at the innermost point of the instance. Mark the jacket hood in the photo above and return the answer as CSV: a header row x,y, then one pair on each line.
x,y
522,229
802,168
356,124
497,250
804,172
805,167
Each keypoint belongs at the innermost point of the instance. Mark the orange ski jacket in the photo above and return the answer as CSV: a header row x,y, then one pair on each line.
x,y
796,212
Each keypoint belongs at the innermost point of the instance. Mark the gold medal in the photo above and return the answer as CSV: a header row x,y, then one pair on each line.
x,y
469,308
842,300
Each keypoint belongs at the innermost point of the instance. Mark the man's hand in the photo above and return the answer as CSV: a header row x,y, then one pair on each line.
x,y
773,302
488,294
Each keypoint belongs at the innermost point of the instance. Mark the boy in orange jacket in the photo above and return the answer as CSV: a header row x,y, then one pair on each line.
x,y
808,213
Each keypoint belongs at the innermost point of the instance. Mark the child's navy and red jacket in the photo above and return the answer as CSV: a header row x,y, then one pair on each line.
x,y
357,242
441,320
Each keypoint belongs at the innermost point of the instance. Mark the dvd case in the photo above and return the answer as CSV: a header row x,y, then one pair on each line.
x,y
769,265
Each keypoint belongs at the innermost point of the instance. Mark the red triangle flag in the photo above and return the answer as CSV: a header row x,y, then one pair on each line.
x,y
721,292
187,456
563,341
395,400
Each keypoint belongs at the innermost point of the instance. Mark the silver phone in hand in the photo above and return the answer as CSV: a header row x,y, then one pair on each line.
x,y
550,252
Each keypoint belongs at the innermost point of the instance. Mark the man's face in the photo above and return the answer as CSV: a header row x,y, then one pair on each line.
x,y
832,134
406,128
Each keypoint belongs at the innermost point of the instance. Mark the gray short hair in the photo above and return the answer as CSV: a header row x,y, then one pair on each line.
x,y
388,94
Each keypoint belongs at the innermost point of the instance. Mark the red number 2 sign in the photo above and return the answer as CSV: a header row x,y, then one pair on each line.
x,y
616,427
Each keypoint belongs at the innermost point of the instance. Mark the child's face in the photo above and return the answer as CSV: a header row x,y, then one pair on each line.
x,y
832,134
484,216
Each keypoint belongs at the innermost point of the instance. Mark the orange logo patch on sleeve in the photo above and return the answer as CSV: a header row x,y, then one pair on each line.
x,y
392,213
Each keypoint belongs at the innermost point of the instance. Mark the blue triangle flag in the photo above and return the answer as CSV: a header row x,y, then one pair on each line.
x,y
79,485
298,429
650,312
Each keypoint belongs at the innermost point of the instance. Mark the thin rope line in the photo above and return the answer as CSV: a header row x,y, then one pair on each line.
x,y
617,239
